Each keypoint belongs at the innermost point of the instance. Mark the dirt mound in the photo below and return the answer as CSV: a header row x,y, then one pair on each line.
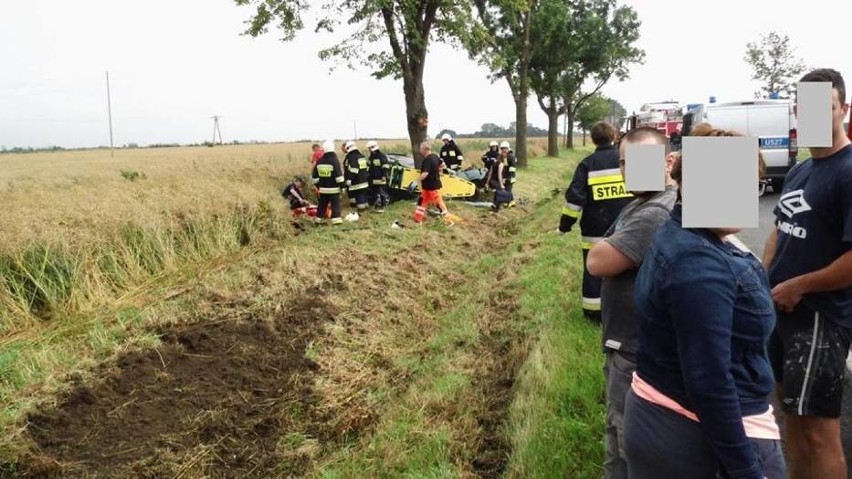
x,y
216,397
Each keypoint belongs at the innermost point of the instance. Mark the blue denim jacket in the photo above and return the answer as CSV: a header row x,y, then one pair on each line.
x,y
705,312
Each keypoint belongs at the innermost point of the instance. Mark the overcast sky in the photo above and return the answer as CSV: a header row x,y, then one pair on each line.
x,y
173,64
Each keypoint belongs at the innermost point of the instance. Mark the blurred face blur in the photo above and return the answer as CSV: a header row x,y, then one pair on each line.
x,y
622,153
839,112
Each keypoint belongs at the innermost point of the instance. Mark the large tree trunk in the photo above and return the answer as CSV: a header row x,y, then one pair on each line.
x,y
521,129
569,110
417,117
552,132
522,93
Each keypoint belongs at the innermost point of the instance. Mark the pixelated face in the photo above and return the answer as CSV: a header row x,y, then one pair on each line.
x,y
622,154
839,113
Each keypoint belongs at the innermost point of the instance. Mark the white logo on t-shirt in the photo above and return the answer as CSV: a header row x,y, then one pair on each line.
x,y
793,202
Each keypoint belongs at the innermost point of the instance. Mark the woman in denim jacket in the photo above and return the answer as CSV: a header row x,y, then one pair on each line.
x,y
698,406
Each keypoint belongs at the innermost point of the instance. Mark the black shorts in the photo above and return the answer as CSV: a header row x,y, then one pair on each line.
x,y
808,354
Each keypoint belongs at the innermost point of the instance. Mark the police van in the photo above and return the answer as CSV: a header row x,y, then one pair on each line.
x,y
772,122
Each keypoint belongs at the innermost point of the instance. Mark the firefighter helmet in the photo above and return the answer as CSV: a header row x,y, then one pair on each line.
x,y
493,143
328,145
505,144
446,136
349,146
372,145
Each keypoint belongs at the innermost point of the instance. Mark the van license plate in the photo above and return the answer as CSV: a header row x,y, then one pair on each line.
x,y
773,143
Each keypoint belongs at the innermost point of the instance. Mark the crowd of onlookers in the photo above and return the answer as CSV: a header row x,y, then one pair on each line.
x,y
698,332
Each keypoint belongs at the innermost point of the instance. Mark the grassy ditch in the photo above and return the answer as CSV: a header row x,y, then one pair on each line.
x,y
428,351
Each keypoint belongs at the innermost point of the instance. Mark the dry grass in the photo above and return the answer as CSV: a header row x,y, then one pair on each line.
x,y
80,197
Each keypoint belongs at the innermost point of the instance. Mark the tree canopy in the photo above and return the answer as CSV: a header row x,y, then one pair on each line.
x,y
390,37
774,65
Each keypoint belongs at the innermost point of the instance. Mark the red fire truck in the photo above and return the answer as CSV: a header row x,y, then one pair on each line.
x,y
666,117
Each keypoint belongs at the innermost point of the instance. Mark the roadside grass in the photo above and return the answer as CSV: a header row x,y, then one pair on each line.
x,y
556,421
401,364
431,428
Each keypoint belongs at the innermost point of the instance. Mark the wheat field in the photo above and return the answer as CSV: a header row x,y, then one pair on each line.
x,y
81,197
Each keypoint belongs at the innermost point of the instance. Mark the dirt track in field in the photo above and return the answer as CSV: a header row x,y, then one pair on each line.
x,y
216,397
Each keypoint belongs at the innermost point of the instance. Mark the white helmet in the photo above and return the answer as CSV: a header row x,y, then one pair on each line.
x,y
505,144
372,145
349,146
446,136
328,145
493,143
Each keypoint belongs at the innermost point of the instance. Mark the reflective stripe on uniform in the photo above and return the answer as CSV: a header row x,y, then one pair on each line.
x,y
359,186
340,179
512,168
605,179
592,304
572,210
588,241
379,182
607,172
329,190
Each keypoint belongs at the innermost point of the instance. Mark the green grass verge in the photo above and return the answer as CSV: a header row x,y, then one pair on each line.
x,y
556,421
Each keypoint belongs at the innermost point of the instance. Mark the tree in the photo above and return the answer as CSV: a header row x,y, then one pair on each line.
x,y
595,109
579,43
615,36
404,27
774,65
501,42
616,113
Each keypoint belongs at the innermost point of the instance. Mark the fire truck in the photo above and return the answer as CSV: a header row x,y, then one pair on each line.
x,y
666,116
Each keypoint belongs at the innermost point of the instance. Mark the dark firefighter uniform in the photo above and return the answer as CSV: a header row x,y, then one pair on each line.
x,y
296,200
357,178
327,176
597,193
511,172
451,154
489,157
378,171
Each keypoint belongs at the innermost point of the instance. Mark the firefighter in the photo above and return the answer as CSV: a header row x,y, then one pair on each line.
x,y
451,154
298,204
327,176
597,193
356,171
490,155
378,172
507,155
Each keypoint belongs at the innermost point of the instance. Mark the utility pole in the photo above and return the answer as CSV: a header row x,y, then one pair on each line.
x,y
109,113
355,127
216,129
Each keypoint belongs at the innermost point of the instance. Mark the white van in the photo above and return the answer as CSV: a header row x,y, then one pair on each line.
x,y
772,122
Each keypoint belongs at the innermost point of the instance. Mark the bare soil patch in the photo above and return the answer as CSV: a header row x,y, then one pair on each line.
x,y
215,398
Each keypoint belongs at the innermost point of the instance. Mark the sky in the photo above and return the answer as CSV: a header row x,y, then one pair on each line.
x,y
174,64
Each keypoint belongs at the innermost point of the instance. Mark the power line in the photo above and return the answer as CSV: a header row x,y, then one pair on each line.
x,y
109,113
216,129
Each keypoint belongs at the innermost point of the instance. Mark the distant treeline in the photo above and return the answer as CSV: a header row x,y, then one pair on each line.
x,y
491,130
487,130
